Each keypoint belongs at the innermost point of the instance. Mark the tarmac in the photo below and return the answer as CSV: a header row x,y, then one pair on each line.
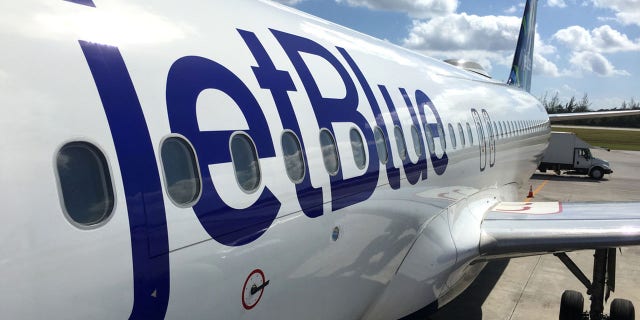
x,y
531,287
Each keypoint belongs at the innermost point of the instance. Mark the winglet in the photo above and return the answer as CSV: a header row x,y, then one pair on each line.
x,y
523,58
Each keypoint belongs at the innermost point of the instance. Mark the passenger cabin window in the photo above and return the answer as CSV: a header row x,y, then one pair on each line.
x,y
329,152
245,162
293,159
402,147
461,132
85,184
470,133
415,137
357,146
429,135
452,135
443,141
489,130
181,174
381,145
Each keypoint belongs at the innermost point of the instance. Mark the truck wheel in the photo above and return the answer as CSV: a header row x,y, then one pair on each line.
x,y
596,173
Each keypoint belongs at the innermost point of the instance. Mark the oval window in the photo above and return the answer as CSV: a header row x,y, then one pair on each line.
x,y
402,147
381,145
520,123
357,147
452,135
329,152
245,162
429,135
443,141
470,134
85,183
181,173
293,159
415,136
490,129
463,141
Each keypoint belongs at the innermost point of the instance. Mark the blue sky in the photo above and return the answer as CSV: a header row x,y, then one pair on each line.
x,y
582,46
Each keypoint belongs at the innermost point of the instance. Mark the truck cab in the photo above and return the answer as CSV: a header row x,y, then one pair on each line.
x,y
582,158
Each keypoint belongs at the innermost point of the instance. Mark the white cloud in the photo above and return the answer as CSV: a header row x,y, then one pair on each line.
x,y
414,8
627,11
600,39
487,40
596,63
545,67
588,48
541,47
462,31
556,3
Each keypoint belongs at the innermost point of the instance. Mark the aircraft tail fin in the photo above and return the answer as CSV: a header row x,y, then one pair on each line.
x,y
523,58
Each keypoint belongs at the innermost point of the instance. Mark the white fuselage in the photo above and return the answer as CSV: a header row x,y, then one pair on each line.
x,y
371,249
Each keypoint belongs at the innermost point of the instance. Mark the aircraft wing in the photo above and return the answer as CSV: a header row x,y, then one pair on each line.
x,y
559,117
513,229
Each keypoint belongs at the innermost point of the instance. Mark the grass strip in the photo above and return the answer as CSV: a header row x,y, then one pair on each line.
x,y
612,139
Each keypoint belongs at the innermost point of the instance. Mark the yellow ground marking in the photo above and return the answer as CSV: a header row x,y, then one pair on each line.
x,y
537,190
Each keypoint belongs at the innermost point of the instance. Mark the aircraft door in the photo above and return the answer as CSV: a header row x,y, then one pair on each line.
x,y
492,138
482,140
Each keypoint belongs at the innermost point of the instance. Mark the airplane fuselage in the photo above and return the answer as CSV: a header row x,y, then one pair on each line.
x,y
338,232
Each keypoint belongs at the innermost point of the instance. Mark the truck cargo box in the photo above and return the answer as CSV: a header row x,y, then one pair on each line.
x,y
561,146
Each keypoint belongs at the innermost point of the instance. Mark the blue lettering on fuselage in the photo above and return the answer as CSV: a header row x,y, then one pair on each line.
x,y
344,192
141,179
186,79
280,83
191,75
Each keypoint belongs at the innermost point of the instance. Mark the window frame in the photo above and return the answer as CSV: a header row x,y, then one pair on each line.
x,y
416,139
463,140
164,177
442,136
470,134
428,134
452,136
384,142
108,169
255,149
335,148
304,164
364,148
405,154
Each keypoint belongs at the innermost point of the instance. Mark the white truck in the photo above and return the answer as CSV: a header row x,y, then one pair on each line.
x,y
568,153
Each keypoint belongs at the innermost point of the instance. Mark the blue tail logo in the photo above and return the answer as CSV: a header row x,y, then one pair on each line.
x,y
523,58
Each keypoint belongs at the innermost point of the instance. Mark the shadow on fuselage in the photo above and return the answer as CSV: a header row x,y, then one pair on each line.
x,y
468,305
